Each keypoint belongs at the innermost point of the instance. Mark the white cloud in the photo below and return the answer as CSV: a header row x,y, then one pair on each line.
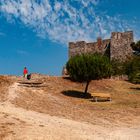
x,y
62,21
57,6
10,7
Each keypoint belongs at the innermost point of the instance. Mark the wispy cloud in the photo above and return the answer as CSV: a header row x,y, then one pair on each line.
x,y
65,20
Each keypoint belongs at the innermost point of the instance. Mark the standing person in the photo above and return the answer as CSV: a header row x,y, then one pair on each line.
x,y
25,72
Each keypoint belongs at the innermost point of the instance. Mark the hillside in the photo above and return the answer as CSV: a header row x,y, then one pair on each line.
x,y
54,108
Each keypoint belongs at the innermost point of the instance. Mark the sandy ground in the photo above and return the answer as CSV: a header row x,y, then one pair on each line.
x,y
43,112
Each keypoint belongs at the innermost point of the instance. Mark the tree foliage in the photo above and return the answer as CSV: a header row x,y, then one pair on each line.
x,y
133,69
87,67
136,47
118,67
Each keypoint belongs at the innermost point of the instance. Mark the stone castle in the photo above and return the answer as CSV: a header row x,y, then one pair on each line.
x,y
117,47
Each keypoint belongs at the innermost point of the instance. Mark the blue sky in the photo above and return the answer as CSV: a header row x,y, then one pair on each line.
x,y
35,33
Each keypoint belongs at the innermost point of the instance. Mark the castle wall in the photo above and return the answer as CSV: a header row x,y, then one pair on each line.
x,y
120,45
94,47
76,48
82,47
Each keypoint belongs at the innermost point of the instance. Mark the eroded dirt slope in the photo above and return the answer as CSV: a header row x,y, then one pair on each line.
x,y
55,108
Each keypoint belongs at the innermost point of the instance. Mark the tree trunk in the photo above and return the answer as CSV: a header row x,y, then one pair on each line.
x,y
86,87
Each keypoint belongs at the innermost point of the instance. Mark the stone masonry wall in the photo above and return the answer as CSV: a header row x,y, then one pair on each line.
x,y
82,47
76,48
120,45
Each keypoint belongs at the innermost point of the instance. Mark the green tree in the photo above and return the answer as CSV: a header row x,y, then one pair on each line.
x,y
87,67
118,67
133,69
136,47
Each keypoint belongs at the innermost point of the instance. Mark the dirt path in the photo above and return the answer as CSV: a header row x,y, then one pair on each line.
x,y
26,124
43,126
12,92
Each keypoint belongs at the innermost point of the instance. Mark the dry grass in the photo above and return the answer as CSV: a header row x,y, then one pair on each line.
x,y
60,97
54,98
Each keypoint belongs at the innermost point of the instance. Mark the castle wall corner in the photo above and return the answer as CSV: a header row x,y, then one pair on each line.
x,y
120,45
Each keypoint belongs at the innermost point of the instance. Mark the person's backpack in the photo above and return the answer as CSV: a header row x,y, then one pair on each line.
x,y
29,76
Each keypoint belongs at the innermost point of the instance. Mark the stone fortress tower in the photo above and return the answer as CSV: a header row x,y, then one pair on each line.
x,y
117,47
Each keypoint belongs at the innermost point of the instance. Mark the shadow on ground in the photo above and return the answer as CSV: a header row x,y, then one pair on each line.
x,y
76,94
136,88
31,84
36,86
